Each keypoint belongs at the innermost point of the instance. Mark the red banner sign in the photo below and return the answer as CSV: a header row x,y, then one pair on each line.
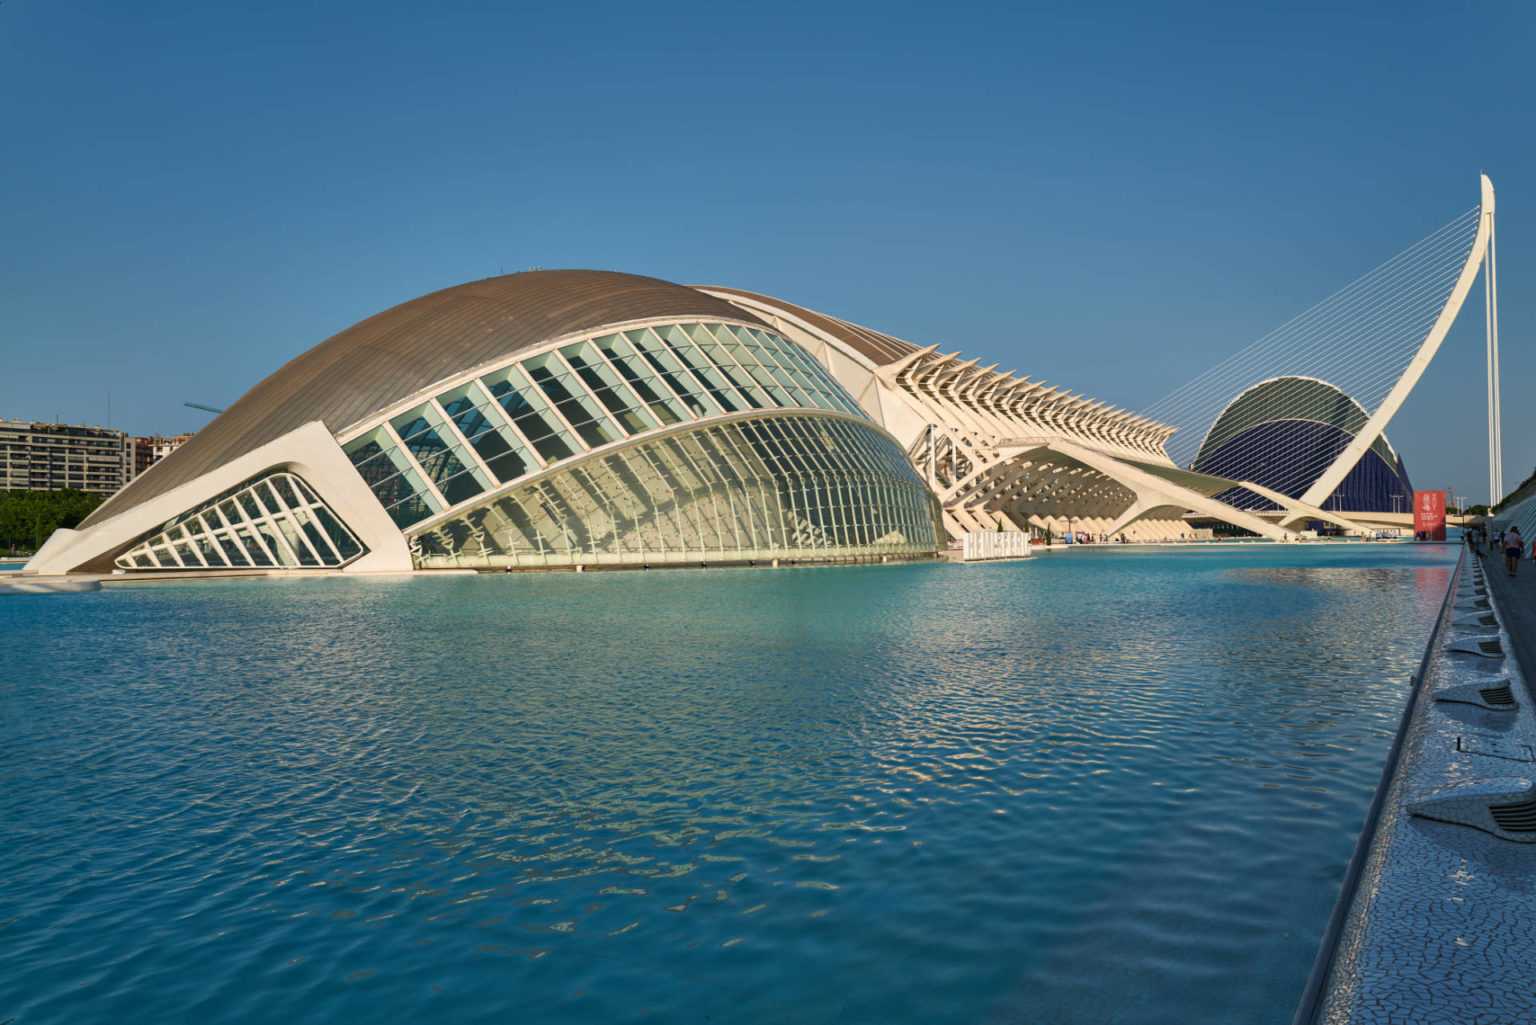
x,y
1429,515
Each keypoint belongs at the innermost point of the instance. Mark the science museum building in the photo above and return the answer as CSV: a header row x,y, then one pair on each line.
x,y
551,419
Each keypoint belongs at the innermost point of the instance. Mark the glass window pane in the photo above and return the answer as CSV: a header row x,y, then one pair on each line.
x,y
442,456
672,372
297,544
344,542
413,508
643,382
254,551
730,365
268,499
573,401
260,522
247,501
434,456
284,488
530,412
466,416
490,434
702,370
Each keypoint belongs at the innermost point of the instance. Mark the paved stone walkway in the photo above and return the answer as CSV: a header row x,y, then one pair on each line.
x,y
1517,601
1441,925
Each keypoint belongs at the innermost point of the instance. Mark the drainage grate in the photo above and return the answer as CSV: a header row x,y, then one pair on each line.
x,y
1500,695
1515,818
1482,647
1502,805
1487,621
1493,693
1494,747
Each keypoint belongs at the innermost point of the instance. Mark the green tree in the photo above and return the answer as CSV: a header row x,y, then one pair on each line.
x,y
28,518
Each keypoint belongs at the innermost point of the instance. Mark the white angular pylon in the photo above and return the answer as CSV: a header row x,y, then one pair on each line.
x,y
1334,475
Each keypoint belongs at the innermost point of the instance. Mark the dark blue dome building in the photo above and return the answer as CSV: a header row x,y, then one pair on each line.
x,y
1284,432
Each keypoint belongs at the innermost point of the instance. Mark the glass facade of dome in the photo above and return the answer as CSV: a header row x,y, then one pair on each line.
x,y
468,441
1283,433
568,401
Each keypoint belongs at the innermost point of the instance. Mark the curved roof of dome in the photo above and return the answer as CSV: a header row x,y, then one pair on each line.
x,y
1291,397
402,350
879,348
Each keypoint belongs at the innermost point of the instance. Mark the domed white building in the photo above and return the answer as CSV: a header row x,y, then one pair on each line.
x,y
546,419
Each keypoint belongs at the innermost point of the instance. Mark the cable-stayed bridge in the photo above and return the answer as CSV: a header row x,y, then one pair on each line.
x,y
1343,367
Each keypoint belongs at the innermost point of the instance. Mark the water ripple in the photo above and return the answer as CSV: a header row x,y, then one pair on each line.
x,y
1110,787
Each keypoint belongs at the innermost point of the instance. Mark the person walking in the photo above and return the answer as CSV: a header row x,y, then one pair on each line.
x,y
1513,547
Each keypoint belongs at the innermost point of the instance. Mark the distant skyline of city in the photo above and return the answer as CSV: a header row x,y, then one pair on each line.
x,y
1109,200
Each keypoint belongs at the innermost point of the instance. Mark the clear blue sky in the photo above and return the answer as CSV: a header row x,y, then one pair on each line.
x,y
1111,197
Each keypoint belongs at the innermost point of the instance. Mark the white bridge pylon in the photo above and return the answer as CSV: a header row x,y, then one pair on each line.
x,y
1335,474
1372,341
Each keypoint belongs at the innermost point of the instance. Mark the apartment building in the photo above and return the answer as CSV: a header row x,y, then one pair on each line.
x,y
47,457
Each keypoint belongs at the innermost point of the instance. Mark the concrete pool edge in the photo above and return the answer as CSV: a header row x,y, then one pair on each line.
x,y
1435,918
1322,967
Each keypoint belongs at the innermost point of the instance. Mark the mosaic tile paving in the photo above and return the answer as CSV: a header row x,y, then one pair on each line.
x,y
1442,925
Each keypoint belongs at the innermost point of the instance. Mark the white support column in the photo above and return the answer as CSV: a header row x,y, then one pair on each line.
x,y
1493,493
1491,311
933,476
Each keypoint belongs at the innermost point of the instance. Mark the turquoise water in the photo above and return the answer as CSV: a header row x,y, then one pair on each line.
x,y
1100,786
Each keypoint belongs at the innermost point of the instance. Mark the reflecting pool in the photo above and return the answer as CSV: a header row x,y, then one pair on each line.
x,y
1099,786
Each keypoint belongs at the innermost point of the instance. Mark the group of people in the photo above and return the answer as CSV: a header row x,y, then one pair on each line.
x,y
1507,541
